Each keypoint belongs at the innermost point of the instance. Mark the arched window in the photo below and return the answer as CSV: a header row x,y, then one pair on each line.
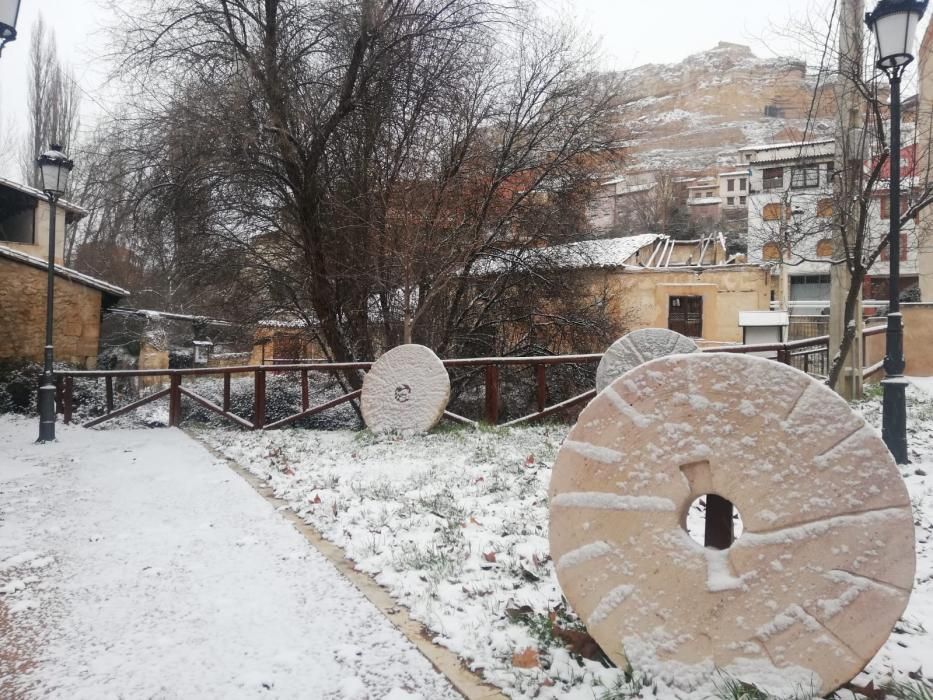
x,y
770,251
824,248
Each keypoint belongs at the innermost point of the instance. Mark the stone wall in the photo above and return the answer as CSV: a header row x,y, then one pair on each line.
x,y
76,332
642,296
918,339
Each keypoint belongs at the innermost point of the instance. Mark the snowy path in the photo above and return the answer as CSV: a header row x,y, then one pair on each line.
x,y
133,564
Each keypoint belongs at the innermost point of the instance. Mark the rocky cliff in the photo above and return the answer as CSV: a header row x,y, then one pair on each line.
x,y
693,115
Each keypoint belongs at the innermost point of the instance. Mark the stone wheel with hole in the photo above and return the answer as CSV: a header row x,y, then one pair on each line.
x,y
406,390
636,348
817,580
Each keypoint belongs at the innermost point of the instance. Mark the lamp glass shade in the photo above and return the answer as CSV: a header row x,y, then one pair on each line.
x,y
55,168
894,33
9,11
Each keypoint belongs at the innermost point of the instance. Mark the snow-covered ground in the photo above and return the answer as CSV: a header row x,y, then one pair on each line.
x,y
454,525
133,564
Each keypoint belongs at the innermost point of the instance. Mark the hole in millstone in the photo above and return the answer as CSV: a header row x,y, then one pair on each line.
x,y
709,520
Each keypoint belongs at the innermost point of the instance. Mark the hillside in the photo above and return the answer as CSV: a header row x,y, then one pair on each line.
x,y
693,115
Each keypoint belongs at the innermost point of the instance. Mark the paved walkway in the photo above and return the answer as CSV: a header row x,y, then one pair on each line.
x,y
134,564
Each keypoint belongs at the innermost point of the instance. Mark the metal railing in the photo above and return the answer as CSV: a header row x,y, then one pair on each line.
x,y
809,355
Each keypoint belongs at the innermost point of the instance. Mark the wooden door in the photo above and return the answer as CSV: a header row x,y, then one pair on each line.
x,y
685,315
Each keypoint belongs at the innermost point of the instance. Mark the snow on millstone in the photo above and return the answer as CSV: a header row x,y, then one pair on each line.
x,y
636,348
812,588
406,390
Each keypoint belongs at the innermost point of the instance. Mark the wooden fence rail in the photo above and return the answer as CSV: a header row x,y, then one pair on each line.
x,y
809,355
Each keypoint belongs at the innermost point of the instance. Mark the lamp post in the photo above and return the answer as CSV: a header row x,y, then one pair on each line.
x,y
9,11
894,24
54,167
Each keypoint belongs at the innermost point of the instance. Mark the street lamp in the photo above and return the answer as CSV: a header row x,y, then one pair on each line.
x,y
9,11
894,23
54,167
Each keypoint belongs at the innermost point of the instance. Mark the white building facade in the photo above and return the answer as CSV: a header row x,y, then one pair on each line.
x,y
790,225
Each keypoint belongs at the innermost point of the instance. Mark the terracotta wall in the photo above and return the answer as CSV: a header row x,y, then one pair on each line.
x,y
76,331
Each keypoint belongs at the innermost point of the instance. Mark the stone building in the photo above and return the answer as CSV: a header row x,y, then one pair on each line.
x,y
80,299
79,302
654,281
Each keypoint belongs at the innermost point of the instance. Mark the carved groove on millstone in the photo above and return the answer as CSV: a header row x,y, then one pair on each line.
x,y
636,348
406,390
808,593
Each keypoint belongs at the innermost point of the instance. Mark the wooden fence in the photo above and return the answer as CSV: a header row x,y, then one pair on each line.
x,y
809,355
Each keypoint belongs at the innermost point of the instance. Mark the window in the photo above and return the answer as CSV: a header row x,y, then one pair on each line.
x,y
770,251
772,179
808,176
730,201
824,207
824,248
710,194
771,212
685,315
730,185
743,184
902,253
886,207
742,201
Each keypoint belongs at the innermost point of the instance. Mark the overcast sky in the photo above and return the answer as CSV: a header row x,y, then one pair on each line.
x,y
634,32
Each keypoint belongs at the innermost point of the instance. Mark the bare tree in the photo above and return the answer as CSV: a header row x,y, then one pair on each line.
x,y
851,211
53,101
351,163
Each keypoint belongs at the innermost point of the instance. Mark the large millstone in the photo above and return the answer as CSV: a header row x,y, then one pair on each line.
x,y
406,390
636,348
803,598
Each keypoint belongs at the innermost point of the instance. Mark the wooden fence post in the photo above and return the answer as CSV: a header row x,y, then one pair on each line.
x,y
69,397
541,393
226,392
492,394
718,531
59,392
174,401
259,399
108,381
305,399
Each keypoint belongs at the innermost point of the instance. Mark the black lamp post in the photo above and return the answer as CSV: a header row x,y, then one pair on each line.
x,y
894,24
54,167
9,11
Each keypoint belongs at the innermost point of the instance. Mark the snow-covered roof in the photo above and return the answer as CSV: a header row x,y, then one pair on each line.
x,y
704,200
39,194
582,255
154,315
793,151
734,173
66,272
276,323
786,144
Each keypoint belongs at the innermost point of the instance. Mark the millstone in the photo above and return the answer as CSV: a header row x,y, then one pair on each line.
x,y
636,348
406,390
809,592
